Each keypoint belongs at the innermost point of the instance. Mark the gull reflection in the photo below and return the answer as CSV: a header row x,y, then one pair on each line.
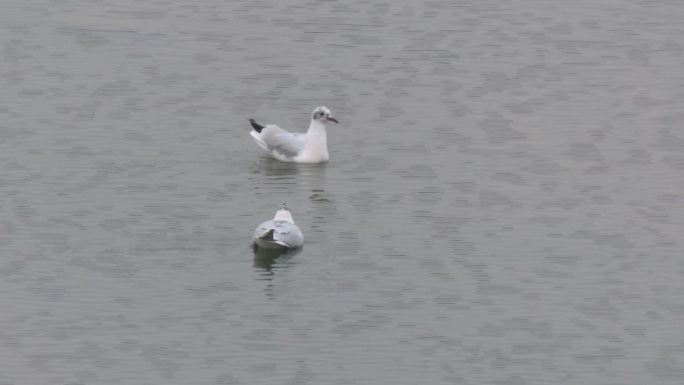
x,y
268,260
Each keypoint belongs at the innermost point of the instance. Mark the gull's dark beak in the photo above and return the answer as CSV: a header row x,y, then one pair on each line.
x,y
333,119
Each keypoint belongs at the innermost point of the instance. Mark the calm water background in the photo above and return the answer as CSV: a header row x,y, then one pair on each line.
x,y
503,203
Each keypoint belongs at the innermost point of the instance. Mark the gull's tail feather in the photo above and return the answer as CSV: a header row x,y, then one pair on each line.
x,y
267,236
256,126
259,140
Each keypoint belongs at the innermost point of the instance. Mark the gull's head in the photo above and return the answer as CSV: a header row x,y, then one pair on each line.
x,y
323,114
283,206
283,214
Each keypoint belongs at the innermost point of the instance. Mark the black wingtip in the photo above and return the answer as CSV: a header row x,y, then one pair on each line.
x,y
256,126
267,236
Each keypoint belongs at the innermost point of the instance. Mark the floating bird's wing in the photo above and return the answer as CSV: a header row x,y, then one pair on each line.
x,y
278,141
260,135
287,145
274,139
282,233
287,234
265,230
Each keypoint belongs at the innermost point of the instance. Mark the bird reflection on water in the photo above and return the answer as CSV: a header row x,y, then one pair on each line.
x,y
269,167
281,175
269,260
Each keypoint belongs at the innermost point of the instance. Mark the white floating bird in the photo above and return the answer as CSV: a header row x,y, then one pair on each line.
x,y
281,232
311,147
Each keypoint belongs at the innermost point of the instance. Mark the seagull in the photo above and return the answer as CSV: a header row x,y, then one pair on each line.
x,y
311,147
280,232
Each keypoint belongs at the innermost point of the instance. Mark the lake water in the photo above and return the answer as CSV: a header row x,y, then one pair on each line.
x,y
503,203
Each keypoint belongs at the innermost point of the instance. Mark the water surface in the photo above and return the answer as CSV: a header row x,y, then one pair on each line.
x,y
502,205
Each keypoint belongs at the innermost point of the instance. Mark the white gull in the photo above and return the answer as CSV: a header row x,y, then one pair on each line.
x,y
311,147
280,232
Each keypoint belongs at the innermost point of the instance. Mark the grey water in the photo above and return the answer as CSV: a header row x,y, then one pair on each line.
x,y
503,203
